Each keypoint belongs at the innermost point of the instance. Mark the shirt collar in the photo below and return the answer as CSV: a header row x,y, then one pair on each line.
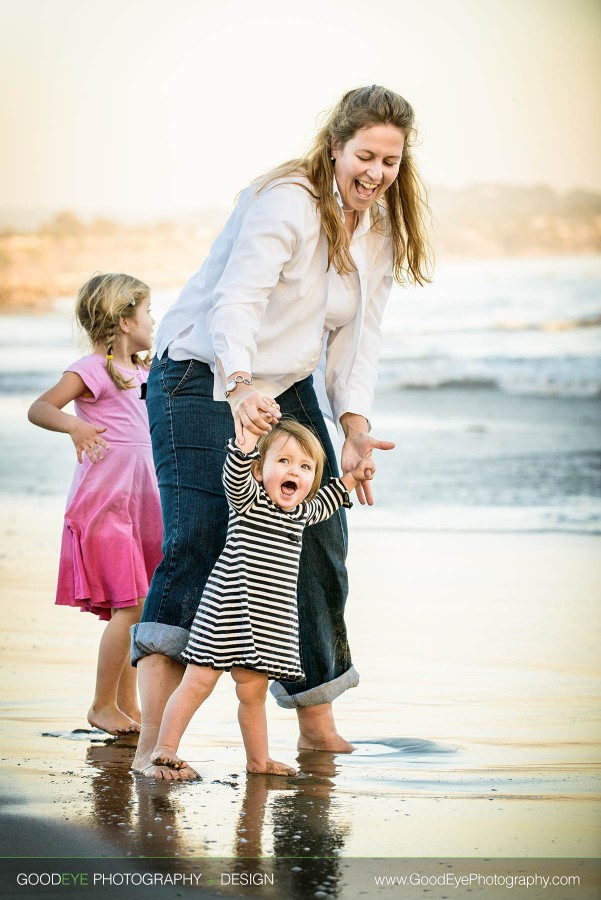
x,y
364,219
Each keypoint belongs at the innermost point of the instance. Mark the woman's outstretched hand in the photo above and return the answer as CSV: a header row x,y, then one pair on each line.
x,y
357,446
252,412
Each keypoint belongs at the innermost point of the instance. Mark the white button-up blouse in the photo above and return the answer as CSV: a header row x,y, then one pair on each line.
x,y
260,301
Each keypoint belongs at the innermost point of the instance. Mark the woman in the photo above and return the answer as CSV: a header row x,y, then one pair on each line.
x,y
287,305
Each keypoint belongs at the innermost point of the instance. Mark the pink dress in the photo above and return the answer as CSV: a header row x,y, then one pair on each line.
x,y
112,535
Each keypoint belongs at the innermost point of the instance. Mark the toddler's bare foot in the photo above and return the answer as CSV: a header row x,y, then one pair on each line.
x,y
112,720
270,767
165,756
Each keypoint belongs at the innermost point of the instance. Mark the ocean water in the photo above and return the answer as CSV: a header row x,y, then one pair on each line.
x,y
489,383
528,327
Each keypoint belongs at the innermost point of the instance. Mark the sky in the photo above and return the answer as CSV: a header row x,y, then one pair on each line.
x,y
155,107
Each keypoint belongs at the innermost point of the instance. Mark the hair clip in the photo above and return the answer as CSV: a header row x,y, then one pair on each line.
x,y
109,355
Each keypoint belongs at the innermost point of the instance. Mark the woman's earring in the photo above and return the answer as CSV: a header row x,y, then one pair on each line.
x,y
332,159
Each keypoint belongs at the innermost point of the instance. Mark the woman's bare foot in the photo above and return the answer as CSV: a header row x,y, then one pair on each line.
x,y
165,756
269,767
332,743
165,773
158,677
112,720
318,730
142,764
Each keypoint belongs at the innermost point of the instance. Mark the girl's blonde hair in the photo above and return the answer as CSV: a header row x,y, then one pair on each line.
x,y
101,302
307,441
405,200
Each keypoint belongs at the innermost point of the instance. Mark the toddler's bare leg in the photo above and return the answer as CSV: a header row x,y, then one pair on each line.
x,y
251,688
195,687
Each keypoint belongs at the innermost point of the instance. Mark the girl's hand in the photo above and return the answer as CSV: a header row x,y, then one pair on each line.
x,y
357,449
252,412
86,438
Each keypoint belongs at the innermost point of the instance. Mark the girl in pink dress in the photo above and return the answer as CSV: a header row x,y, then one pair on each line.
x,y
111,541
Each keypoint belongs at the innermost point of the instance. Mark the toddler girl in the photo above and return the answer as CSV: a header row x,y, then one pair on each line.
x,y
111,541
247,620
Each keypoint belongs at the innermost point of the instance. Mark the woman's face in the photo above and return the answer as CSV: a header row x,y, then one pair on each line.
x,y
367,164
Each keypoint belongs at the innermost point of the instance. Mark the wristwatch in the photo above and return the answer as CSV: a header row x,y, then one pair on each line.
x,y
234,382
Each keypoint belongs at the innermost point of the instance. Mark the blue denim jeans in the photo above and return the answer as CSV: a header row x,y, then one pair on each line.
x,y
189,430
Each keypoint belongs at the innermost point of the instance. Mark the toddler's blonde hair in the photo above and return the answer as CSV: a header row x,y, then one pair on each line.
x,y
307,441
101,302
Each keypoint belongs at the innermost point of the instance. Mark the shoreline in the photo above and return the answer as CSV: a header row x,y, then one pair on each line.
x,y
488,708
476,727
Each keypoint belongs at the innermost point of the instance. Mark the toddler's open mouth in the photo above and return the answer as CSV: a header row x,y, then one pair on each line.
x,y
288,488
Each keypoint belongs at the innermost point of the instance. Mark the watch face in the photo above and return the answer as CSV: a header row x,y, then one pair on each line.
x,y
231,385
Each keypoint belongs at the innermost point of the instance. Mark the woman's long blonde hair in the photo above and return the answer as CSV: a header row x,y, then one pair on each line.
x,y
405,200
101,302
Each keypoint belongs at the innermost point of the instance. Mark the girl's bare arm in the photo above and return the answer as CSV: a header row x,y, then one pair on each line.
x,y
47,412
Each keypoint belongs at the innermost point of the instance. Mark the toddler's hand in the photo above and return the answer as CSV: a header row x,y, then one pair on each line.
x,y
365,469
86,438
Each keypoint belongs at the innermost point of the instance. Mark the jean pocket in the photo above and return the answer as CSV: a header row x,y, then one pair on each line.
x,y
158,363
177,374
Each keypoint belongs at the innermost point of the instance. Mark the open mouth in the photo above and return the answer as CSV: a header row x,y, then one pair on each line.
x,y
365,189
288,488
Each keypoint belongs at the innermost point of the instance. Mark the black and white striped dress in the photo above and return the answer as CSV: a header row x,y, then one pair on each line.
x,y
248,614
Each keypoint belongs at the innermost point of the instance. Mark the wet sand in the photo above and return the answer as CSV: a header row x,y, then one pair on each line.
x,y
476,724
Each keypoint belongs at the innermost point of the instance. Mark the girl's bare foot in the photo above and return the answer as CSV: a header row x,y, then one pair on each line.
x,y
270,767
112,720
165,756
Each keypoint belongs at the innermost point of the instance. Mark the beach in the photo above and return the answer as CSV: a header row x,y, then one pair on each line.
x,y
476,721
473,619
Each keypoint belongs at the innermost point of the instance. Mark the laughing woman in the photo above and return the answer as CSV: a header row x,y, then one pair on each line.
x,y
287,305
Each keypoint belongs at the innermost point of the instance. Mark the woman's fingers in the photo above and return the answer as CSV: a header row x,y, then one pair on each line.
x,y
381,445
259,412
364,493
255,413
356,455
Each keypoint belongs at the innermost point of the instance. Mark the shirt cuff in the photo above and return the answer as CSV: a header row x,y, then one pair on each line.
x,y
234,361
234,449
339,484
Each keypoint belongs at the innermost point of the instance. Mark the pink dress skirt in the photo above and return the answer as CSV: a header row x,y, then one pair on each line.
x,y
112,534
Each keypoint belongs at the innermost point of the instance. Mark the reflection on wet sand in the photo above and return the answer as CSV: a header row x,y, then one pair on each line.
x,y
290,828
309,825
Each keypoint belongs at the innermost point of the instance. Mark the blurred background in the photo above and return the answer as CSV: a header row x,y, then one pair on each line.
x,y
131,125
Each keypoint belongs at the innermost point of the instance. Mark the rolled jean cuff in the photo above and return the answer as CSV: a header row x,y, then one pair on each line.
x,y
155,637
323,693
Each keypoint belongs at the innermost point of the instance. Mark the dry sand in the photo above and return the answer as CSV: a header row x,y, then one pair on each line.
x,y
476,724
